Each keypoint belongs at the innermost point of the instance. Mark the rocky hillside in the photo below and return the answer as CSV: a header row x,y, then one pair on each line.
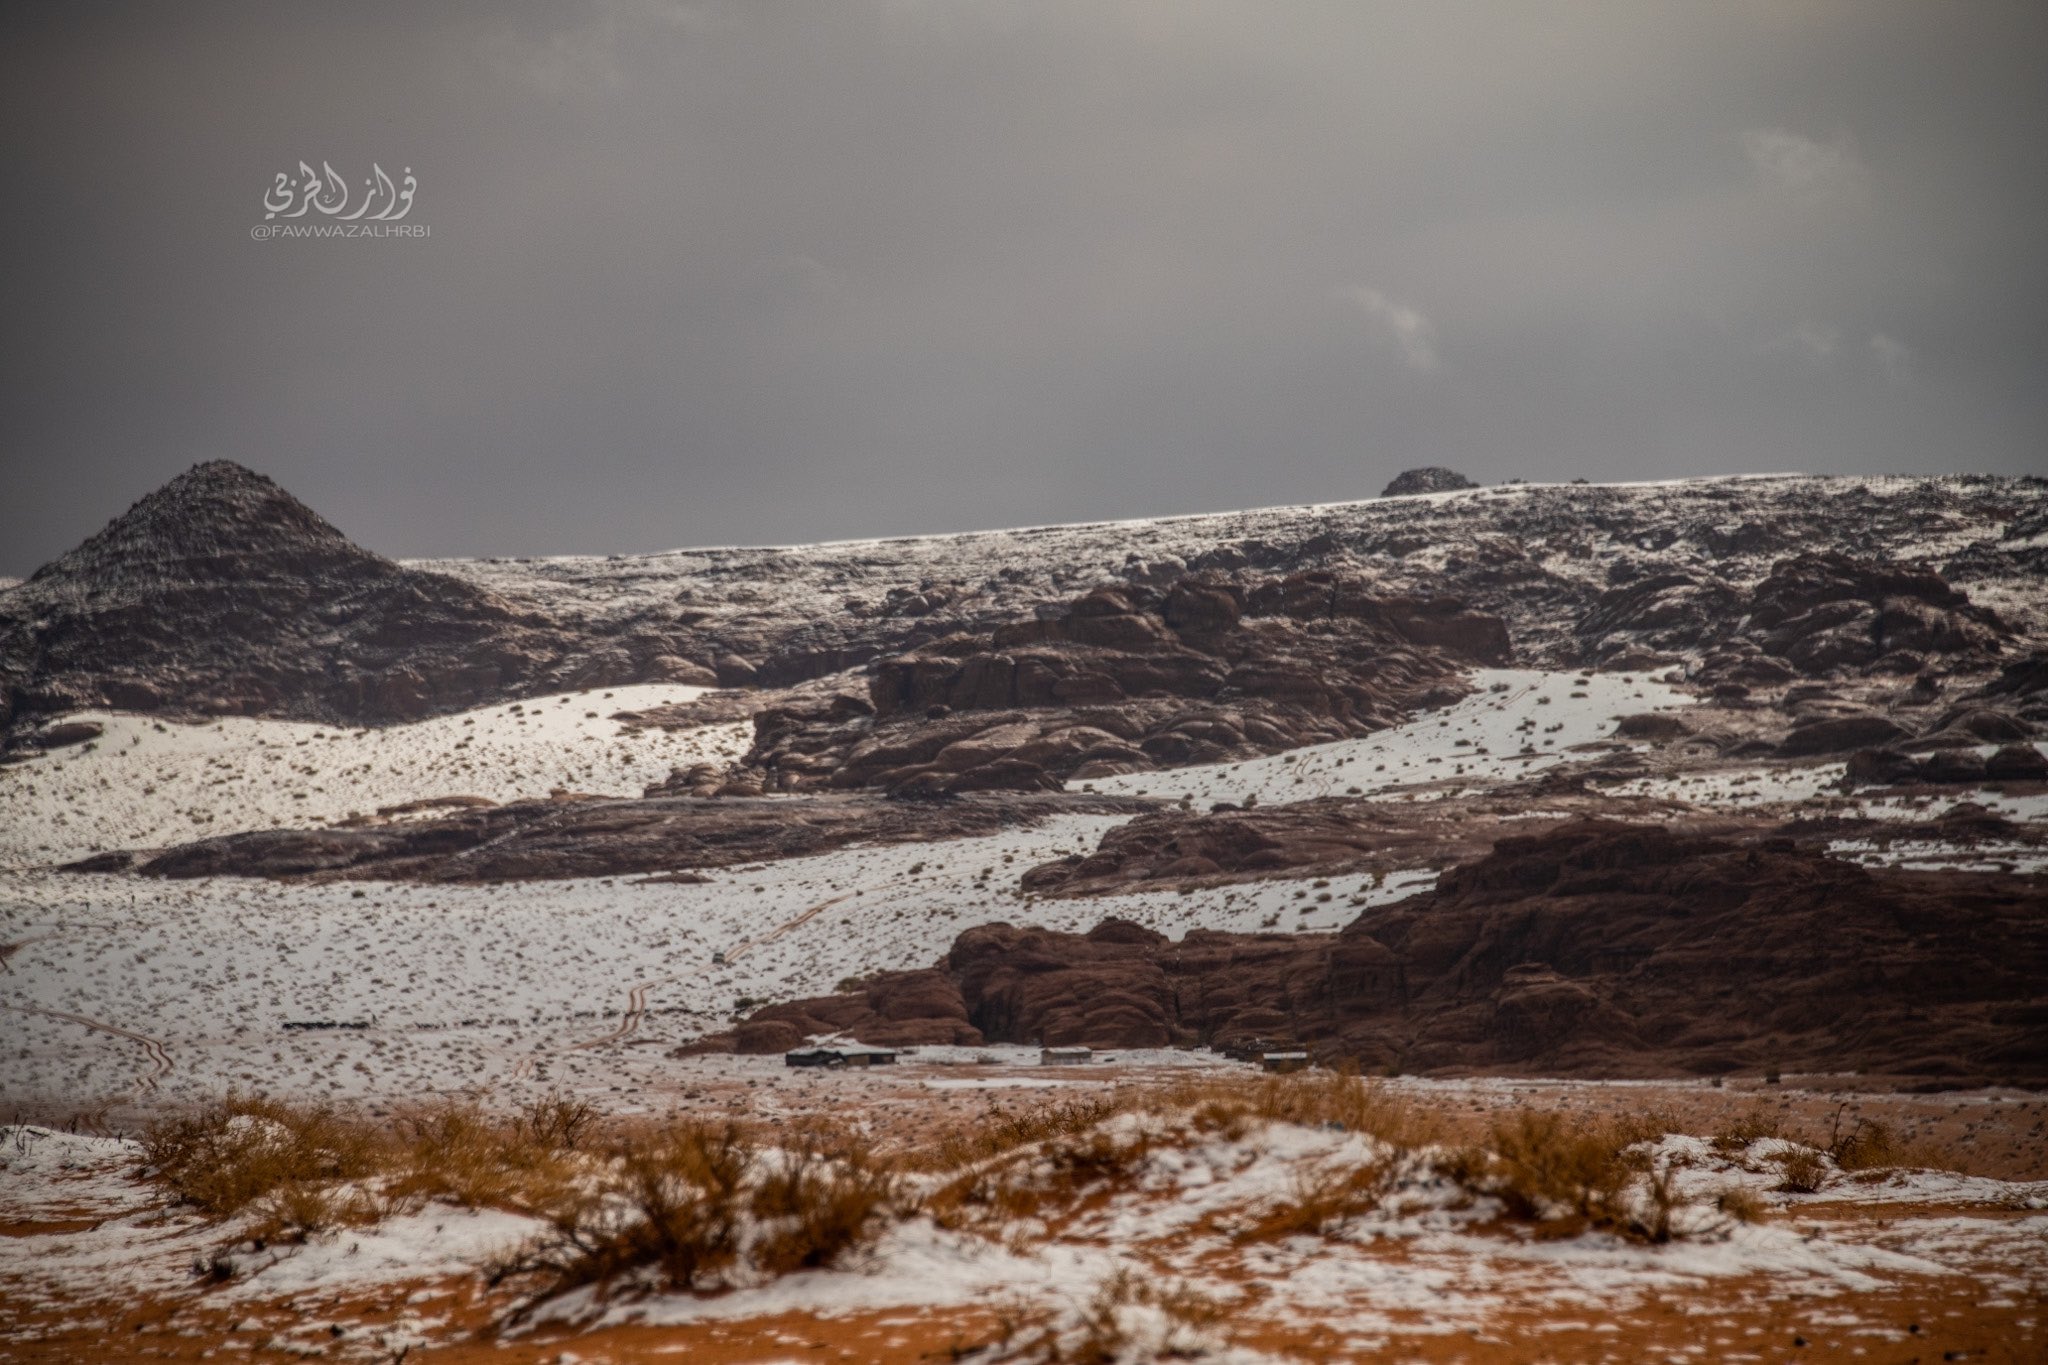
x,y
1546,559
222,594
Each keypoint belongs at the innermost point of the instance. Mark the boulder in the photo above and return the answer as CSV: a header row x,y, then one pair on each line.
x,y
2016,763
1428,479
1839,734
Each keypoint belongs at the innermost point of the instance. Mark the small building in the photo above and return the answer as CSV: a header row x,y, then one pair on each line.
x,y
1066,1056
836,1055
1284,1061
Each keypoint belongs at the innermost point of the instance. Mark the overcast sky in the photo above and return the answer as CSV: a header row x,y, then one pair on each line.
x,y
765,272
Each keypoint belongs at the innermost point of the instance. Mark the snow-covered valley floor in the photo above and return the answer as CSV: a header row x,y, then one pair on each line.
x,y
126,998
121,993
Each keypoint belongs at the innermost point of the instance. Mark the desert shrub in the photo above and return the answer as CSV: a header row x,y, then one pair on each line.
x,y
1095,1157
456,1152
297,1209
1869,1144
555,1122
1544,1167
1312,1099
984,1197
1645,1126
1060,1172
1801,1170
1566,1175
691,1205
1127,1318
1741,1203
1652,1217
992,1136
1323,1199
1753,1125
821,1199
671,1206
225,1156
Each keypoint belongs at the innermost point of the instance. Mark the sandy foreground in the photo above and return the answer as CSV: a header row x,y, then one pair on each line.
x,y
1880,1264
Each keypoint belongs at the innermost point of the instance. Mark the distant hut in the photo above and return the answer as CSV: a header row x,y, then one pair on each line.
x,y
1066,1056
1284,1061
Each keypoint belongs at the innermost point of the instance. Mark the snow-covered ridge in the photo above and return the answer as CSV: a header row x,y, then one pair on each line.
x,y
1536,554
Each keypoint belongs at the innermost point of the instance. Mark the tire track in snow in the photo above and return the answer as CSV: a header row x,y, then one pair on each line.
x,y
160,1059
779,930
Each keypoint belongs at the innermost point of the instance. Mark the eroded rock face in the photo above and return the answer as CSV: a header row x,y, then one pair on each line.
x,y
1813,615
892,1009
1593,949
1130,678
1172,846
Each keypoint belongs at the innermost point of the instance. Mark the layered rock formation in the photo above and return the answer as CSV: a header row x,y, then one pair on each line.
x,y
1595,949
1132,678
1814,615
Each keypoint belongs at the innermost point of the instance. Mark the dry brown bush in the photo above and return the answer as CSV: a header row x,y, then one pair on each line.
x,y
1113,1326
1801,1170
1566,1175
1870,1144
223,1157
687,1205
297,1209
1323,1199
556,1122
1057,1174
1753,1125
823,1199
993,1135
1312,1099
1541,1163
671,1206
456,1152
1741,1203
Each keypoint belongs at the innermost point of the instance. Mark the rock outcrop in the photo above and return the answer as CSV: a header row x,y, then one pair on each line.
x,y
594,837
1428,479
1130,678
1813,615
1593,949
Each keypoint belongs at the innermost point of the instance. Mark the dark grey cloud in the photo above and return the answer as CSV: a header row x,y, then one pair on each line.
x,y
767,271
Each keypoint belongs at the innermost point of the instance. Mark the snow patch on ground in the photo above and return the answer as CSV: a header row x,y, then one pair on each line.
x,y
1517,723
459,987
145,783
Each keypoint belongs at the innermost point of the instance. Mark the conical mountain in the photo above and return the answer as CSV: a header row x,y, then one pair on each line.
x,y
221,593
217,522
